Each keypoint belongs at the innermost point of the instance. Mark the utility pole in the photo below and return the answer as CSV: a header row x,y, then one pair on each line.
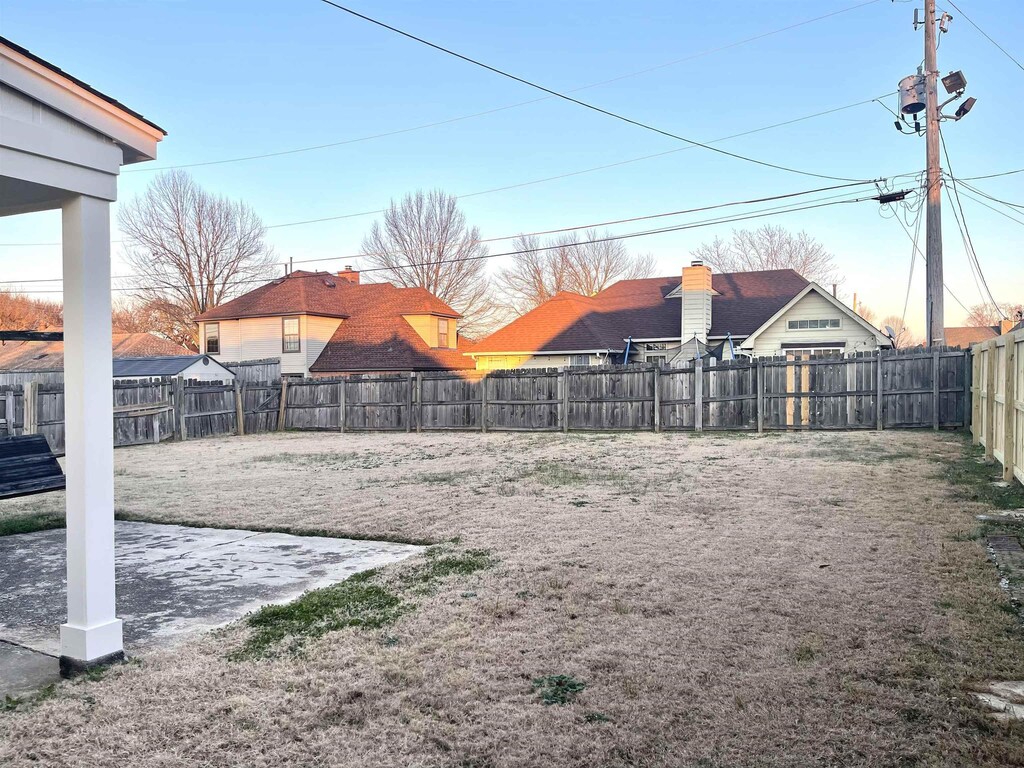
x,y
934,314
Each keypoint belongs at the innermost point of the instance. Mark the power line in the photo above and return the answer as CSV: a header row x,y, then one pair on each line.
x,y
993,209
990,197
987,37
578,102
964,230
546,179
569,174
925,260
821,203
993,175
448,121
593,225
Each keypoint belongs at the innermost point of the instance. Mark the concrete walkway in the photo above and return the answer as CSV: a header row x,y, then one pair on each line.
x,y
171,581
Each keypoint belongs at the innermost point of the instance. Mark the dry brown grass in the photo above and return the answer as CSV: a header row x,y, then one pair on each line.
x,y
793,600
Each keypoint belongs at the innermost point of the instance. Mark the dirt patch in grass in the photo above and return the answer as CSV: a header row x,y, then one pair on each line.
x,y
772,601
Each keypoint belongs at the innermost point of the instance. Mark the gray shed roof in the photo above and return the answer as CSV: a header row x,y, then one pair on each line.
x,y
126,367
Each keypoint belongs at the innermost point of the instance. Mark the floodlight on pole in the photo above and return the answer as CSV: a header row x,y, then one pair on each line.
x,y
954,82
964,108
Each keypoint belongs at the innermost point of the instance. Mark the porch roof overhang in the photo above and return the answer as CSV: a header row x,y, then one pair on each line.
x,y
59,137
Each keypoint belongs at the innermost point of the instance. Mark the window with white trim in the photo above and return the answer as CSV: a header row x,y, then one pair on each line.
x,y
804,352
579,360
213,338
813,325
658,360
290,335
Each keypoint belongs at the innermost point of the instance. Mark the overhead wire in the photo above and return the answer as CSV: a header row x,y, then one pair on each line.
x,y
579,102
591,225
986,35
964,229
777,210
532,182
448,121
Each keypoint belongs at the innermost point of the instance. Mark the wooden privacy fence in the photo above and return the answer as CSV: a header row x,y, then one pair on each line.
x,y
997,403
891,389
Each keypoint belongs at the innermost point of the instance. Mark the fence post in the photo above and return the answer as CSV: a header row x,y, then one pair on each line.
x,y
935,389
9,411
990,400
565,399
483,404
969,393
239,411
156,427
879,396
759,403
419,401
698,394
1009,409
282,407
341,406
30,400
657,398
179,407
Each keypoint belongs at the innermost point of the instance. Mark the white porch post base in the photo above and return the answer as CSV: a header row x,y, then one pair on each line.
x,y
91,644
92,632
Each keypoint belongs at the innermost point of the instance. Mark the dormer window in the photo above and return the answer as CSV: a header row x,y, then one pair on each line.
x,y
290,335
442,332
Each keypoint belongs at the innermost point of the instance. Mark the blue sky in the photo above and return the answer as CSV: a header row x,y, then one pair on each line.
x,y
228,79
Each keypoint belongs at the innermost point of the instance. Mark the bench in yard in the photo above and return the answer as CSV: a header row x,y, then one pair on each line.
x,y
27,465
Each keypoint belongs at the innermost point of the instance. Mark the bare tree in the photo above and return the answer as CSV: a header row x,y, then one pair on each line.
x,y
769,247
584,265
191,251
424,241
989,314
866,312
902,337
21,313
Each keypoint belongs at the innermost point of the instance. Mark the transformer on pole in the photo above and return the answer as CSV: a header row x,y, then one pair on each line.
x,y
919,93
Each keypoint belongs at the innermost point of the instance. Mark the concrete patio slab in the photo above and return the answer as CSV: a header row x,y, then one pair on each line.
x,y
171,581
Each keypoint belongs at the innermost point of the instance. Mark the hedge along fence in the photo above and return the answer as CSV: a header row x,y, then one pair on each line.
x,y
877,390
997,420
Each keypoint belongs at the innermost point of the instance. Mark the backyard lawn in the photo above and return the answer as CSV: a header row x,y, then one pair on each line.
x,y
813,599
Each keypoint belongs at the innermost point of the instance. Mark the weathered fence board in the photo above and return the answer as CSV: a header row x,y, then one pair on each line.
x,y
916,388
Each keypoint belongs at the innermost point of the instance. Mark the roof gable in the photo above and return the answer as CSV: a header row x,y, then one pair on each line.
x,y
814,287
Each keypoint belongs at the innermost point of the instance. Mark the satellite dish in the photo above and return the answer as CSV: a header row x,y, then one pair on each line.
x,y
890,332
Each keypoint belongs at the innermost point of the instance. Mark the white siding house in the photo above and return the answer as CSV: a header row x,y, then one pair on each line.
x,y
257,338
817,323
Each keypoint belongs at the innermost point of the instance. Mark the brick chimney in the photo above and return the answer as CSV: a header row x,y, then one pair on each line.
x,y
696,302
349,275
1005,326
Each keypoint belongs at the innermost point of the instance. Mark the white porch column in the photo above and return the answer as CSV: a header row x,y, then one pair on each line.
x,y
92,632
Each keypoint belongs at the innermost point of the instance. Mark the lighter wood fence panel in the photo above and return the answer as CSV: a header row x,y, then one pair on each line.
x,y
998,401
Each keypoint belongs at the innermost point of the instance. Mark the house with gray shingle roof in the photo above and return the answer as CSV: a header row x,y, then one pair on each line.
x,y
674,319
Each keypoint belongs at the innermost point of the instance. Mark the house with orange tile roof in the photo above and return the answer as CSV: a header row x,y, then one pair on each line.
x,y
328,324
674,319
965,335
